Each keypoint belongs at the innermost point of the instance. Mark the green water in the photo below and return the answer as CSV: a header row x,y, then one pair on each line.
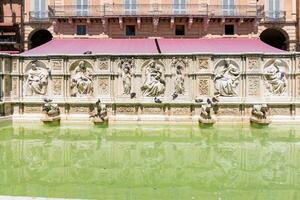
x,y
150,162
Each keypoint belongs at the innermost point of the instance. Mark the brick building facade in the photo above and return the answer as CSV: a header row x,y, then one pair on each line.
x,y
10,26
275,22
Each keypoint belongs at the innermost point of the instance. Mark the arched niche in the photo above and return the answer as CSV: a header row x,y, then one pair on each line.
x,y
36,78
81,80
226,78
153,77
275,77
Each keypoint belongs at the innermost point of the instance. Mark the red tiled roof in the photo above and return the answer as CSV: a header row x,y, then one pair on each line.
x,y
96,46
152,46
216,45
9,52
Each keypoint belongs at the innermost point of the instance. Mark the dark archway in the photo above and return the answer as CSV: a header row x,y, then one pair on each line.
x,y
275,37
40,37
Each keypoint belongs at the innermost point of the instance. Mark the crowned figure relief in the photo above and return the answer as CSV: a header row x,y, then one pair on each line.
x,y
154,84
82,81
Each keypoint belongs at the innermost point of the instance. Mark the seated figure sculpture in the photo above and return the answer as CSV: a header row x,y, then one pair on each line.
x,y
101,116
259,114
51,111
37,80
154,84
82,81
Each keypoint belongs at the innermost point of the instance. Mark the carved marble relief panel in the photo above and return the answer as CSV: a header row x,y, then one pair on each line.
x,y
226,78
203,64
103,64
57,65
152,110
229,110
253,86
186,110
104,87
15,66
126,66
15,86
32,109
253,64
179,66
129,110
275,79
154,83
79,109
280,110
57,86
7,89
82,80
36,79
7,65
203,86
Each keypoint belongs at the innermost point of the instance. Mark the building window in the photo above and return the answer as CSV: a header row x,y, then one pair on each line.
x,y
274,9
82,7
40,9
130,30
1,13
130,7
229,29
179,30
81,30
179,6
228,7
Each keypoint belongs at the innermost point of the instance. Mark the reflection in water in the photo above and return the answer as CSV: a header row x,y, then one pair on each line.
x,y
150,162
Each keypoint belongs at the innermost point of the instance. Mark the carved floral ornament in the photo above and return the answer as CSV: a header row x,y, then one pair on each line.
x,y
275,77
203,63
81,79
37,75
226,78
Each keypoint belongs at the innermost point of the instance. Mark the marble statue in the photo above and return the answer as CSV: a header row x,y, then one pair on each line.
x,y
37,80
179,64
179,80
101,116
126,76
154,84
51,111
275,79
205,114
227,79
82,81
259,114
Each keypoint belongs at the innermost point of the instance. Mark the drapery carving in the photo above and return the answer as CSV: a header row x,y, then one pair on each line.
x,y
82,79
226,78
154,83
